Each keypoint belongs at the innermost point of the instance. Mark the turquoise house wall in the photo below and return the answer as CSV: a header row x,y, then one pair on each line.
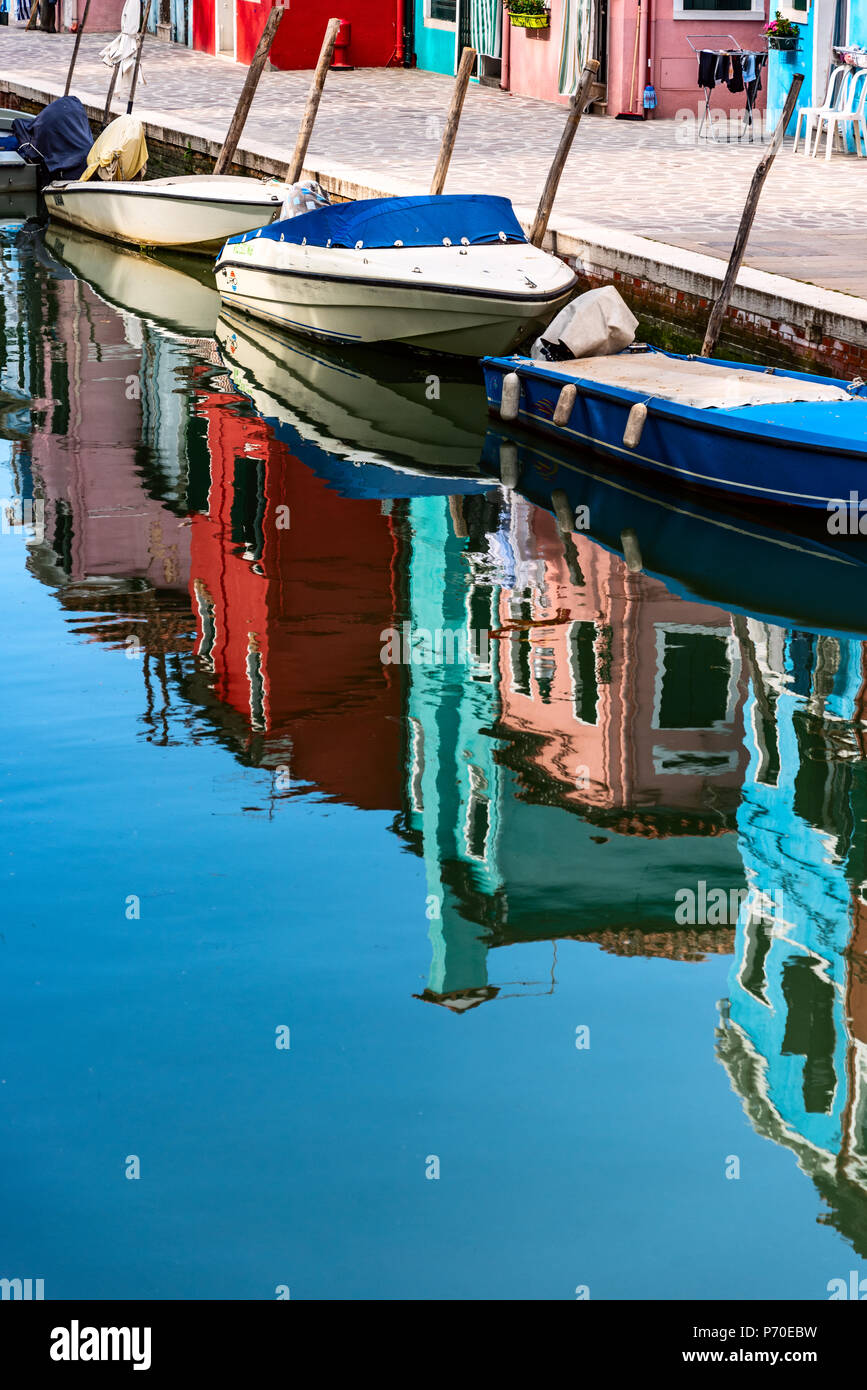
x,y
434,48
858,22
782,67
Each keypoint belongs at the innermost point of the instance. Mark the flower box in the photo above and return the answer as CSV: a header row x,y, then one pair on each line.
x,y
530,21
784,42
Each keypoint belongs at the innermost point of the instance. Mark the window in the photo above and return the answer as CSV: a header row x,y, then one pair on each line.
x,y
719,9
440,14
694,678
582,663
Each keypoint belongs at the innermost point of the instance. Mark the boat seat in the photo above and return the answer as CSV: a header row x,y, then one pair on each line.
x,y
694,382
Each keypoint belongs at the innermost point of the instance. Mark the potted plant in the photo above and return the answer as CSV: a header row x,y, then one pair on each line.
x,y
528,14
782,33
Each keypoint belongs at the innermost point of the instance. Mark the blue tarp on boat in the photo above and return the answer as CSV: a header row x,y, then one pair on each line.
x,y
475,219
58,141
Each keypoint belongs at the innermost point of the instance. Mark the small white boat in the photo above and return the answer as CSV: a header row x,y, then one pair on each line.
x,y
452,273
197,211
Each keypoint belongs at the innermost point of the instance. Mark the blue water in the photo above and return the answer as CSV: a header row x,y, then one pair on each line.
x,y
148,1028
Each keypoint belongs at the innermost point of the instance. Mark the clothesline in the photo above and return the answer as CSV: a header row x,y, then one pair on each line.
x,y
737,68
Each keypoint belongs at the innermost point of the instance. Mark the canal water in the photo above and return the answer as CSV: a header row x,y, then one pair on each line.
x,y
404,898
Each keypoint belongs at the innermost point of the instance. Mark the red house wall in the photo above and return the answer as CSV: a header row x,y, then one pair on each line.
x,y
205,25
299,38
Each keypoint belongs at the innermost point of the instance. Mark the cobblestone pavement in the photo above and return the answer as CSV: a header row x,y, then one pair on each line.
x,y
653,179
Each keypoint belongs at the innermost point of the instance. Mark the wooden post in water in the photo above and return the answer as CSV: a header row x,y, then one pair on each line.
x,y
251,82
576,111
78,33
462,81
138,46
296,164
762,169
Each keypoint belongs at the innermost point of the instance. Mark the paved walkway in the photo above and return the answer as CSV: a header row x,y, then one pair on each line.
x,y
652,179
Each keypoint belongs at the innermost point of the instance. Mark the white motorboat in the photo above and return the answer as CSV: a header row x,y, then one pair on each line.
x,y
452,273
197,211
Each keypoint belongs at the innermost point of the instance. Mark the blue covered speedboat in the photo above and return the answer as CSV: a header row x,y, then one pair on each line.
x,y
749,431
452,273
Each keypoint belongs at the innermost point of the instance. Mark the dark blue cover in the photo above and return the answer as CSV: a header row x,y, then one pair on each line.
x,y
472,218
8,141
58,141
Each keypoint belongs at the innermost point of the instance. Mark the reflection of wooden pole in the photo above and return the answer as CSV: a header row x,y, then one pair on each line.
x,y
456,510
138,46
296,164
576,111
462,81
762,169
78,33
251,82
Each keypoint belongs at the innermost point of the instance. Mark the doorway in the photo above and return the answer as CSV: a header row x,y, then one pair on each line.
x,y
224,36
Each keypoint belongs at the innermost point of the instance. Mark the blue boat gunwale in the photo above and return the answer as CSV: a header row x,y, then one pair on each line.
x,y
717,420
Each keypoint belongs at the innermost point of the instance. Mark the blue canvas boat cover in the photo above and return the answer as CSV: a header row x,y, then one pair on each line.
x,y
58,141
469,218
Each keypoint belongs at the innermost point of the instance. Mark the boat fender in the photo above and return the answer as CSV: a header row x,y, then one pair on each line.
x,y
510,403
631,551
562,511
565,403
635,425
510,471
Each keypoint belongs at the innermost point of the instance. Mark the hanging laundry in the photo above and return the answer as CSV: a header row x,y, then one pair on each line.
x,y
735,81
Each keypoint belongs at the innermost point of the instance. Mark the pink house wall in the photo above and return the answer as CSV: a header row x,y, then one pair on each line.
x,y
103,16
534,61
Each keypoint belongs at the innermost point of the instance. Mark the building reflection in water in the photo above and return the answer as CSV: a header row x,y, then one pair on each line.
x,y
612,744
793,1033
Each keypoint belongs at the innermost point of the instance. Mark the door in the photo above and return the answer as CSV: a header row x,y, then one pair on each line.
x,y
225,27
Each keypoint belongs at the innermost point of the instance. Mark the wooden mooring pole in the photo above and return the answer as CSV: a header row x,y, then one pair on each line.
x,y
462,81
762,169
138,47
109,99
251,82
296,164
78,33
576,111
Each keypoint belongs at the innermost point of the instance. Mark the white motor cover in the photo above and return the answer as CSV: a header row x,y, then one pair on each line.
x,y
596,324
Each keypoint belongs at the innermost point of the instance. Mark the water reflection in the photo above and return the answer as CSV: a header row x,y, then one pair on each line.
x,y
249,518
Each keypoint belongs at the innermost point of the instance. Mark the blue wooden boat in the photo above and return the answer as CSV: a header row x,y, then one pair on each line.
x,y
756,432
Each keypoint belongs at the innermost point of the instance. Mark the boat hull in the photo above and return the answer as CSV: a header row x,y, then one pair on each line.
x,y
344,309
196,215
727,452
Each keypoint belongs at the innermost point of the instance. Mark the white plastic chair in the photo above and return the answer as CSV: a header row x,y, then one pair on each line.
x,y
853,114
835,98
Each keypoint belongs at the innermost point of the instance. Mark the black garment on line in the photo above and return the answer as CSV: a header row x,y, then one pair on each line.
x,y
735,82
707,65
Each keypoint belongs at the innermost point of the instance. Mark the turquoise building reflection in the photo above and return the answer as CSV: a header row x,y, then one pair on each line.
x,y
539,768
794,1031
